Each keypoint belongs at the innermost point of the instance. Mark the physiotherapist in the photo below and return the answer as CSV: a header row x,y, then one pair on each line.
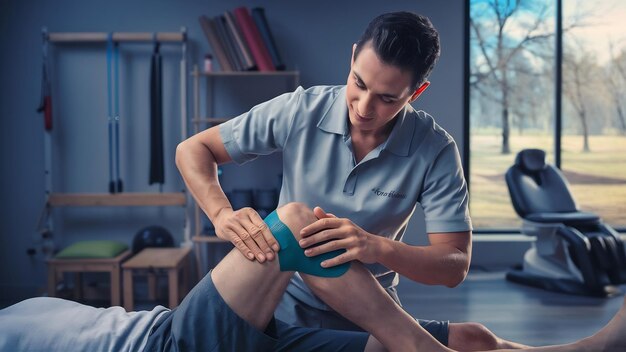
x,y
365,159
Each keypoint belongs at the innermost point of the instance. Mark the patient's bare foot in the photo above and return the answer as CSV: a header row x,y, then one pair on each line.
x,y
612,337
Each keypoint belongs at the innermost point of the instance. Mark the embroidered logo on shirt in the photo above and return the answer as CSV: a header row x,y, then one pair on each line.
x,y
390,194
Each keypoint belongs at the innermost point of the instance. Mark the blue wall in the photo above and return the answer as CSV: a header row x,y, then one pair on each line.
x,y
314,37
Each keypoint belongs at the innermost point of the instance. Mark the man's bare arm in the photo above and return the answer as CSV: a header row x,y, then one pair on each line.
x,y
197,159
444,262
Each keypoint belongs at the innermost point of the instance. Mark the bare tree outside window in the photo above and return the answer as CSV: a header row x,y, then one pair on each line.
x,y
512,80
510,41
615,76
594,143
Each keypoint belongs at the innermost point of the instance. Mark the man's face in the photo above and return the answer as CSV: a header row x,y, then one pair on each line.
x,y
375,92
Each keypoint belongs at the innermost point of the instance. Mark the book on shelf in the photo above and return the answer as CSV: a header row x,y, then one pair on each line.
x,y
241,40
223,35
258,14
253,37
218,50
244,50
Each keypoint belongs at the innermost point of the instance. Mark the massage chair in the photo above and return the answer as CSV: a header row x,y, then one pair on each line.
x,y
574,252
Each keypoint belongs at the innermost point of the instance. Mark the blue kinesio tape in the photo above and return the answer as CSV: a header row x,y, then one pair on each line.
x,y
291,256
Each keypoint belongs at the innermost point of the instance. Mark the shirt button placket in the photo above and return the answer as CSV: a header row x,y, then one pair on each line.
x,y
350,184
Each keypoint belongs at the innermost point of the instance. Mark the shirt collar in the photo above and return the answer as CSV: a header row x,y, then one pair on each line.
x,y
335,120
401,136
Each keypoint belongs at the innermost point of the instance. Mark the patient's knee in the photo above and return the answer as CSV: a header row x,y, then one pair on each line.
x,y
296,216
285,224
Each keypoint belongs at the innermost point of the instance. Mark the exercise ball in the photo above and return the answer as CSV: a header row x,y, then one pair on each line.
x,y
152,236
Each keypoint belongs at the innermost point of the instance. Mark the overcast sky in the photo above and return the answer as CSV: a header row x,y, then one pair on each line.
x,y
606,22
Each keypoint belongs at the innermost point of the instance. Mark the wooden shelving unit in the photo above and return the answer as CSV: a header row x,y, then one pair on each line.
x,y
116,200
59,199
207,239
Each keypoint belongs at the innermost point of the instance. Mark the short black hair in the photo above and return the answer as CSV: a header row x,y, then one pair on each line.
x,y
404,39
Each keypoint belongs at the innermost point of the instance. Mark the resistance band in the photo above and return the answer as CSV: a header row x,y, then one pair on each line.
x,y
115,181
157,172
116,119
291,256
110,111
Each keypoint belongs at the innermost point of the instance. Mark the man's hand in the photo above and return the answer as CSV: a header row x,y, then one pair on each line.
x,y
247,231
330,233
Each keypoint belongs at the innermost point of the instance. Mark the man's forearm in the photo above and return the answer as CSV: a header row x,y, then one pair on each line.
x,y
198,167
439,264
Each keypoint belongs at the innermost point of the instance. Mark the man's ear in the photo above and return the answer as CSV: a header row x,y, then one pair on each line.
x,y
419,91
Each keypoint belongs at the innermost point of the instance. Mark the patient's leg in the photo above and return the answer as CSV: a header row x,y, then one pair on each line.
x,y
360,298
612,337
251,289
357,296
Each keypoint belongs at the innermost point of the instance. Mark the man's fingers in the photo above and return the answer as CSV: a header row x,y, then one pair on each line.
x,y
319,237
247,231
326,247
321,213
269,237
256,236
251,243
319,225
340,259
265,231
240,244
242,238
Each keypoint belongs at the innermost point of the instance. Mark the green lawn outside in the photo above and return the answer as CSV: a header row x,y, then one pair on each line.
x,y
597,178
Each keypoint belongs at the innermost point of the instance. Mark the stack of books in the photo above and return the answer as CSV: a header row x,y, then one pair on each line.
x,y
241,40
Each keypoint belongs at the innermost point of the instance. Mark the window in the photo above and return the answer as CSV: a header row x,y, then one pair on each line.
x,y
512,102
593,146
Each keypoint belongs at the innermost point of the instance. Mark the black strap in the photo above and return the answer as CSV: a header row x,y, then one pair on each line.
x,y
157,172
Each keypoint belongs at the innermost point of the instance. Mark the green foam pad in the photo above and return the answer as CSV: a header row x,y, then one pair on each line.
x,y
93,249
291,256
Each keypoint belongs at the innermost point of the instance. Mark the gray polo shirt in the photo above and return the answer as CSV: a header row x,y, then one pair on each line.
x,y
418,165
